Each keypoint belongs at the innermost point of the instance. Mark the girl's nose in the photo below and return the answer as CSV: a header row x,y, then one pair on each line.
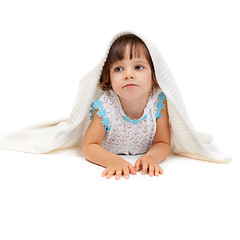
x,y
128,74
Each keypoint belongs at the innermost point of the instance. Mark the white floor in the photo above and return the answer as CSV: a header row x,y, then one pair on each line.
x,y
60,195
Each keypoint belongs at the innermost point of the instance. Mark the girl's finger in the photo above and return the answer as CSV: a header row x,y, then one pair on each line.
x,y
131,168
157,169
110,173
144,168
104,172
137,164
118,174
151,169
160,170
126,172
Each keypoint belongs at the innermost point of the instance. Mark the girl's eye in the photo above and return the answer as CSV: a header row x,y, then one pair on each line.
x,y
139,67
118,69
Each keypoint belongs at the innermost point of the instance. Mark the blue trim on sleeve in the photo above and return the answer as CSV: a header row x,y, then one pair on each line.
x,y
160,105
101,113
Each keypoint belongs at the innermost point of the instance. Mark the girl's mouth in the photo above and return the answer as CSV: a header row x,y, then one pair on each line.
x,y
130,85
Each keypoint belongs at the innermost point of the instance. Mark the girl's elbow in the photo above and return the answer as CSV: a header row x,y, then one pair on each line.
x,y
85,149
168,149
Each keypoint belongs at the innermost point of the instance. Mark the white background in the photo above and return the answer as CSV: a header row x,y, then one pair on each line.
x,y
45,48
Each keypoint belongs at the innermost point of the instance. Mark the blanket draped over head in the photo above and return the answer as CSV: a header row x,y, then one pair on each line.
x,y
69,132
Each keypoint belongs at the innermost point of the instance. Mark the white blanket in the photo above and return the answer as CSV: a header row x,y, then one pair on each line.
x,y
64,133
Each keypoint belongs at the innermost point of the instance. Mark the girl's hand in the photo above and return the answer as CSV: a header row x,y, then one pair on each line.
x,y
146,162
118,166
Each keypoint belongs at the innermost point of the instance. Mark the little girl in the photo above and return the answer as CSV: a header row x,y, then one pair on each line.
x,y
131,116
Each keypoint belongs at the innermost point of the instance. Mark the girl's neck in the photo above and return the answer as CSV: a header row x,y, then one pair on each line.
x,y
134,108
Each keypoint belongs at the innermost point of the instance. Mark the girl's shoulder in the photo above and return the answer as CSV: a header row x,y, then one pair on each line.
x,y
161,96
156,96
159,103
106,97
105,105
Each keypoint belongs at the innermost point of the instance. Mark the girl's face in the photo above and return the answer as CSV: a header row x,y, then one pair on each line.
x,y
131,78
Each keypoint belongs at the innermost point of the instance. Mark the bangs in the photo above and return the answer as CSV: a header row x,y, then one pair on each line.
x,y
127,48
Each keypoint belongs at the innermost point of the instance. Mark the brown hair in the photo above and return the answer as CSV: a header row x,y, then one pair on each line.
x,y
116,53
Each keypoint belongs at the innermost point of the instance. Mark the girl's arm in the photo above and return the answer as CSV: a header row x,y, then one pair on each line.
x,y
161,144
160,149
94,152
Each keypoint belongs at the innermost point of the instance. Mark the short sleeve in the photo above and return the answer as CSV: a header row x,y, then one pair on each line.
x,y
97,104
160,105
